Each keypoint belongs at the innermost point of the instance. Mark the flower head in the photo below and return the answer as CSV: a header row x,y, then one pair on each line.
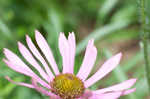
x,y
65,85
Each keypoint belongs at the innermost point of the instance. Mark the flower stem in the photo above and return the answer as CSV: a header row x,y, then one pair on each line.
x,y
145,40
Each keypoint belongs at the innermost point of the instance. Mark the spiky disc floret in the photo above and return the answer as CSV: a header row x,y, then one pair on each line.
x,y
67,86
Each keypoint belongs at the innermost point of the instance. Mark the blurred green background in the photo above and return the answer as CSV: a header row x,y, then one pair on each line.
x,y
114,24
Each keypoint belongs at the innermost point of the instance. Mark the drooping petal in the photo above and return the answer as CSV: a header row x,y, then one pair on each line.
x,y
86,95
38,56
46,51
112,95
126,92
64,51
19,83
118,87
28,56
54,97
89,60
16,64
72,48
42,90
107,67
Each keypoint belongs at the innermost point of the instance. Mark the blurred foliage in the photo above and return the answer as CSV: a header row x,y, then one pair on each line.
x,y
114,24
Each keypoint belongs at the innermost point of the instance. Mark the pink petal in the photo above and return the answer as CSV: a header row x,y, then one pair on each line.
x,y
18,68
122,86
28,56
86,95
64,51
72,48
67,50
113,95
42,90
19,83
37,54
22,68
107,67
110,95
126,92
18,64
89,60
54,97
46,51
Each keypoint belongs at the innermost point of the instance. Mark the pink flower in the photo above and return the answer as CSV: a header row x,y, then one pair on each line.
x,y
65,85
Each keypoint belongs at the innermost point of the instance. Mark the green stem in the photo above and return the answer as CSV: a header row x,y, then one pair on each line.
x,y
145,41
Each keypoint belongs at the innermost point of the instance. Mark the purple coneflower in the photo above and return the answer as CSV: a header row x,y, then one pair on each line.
x,y
65,84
